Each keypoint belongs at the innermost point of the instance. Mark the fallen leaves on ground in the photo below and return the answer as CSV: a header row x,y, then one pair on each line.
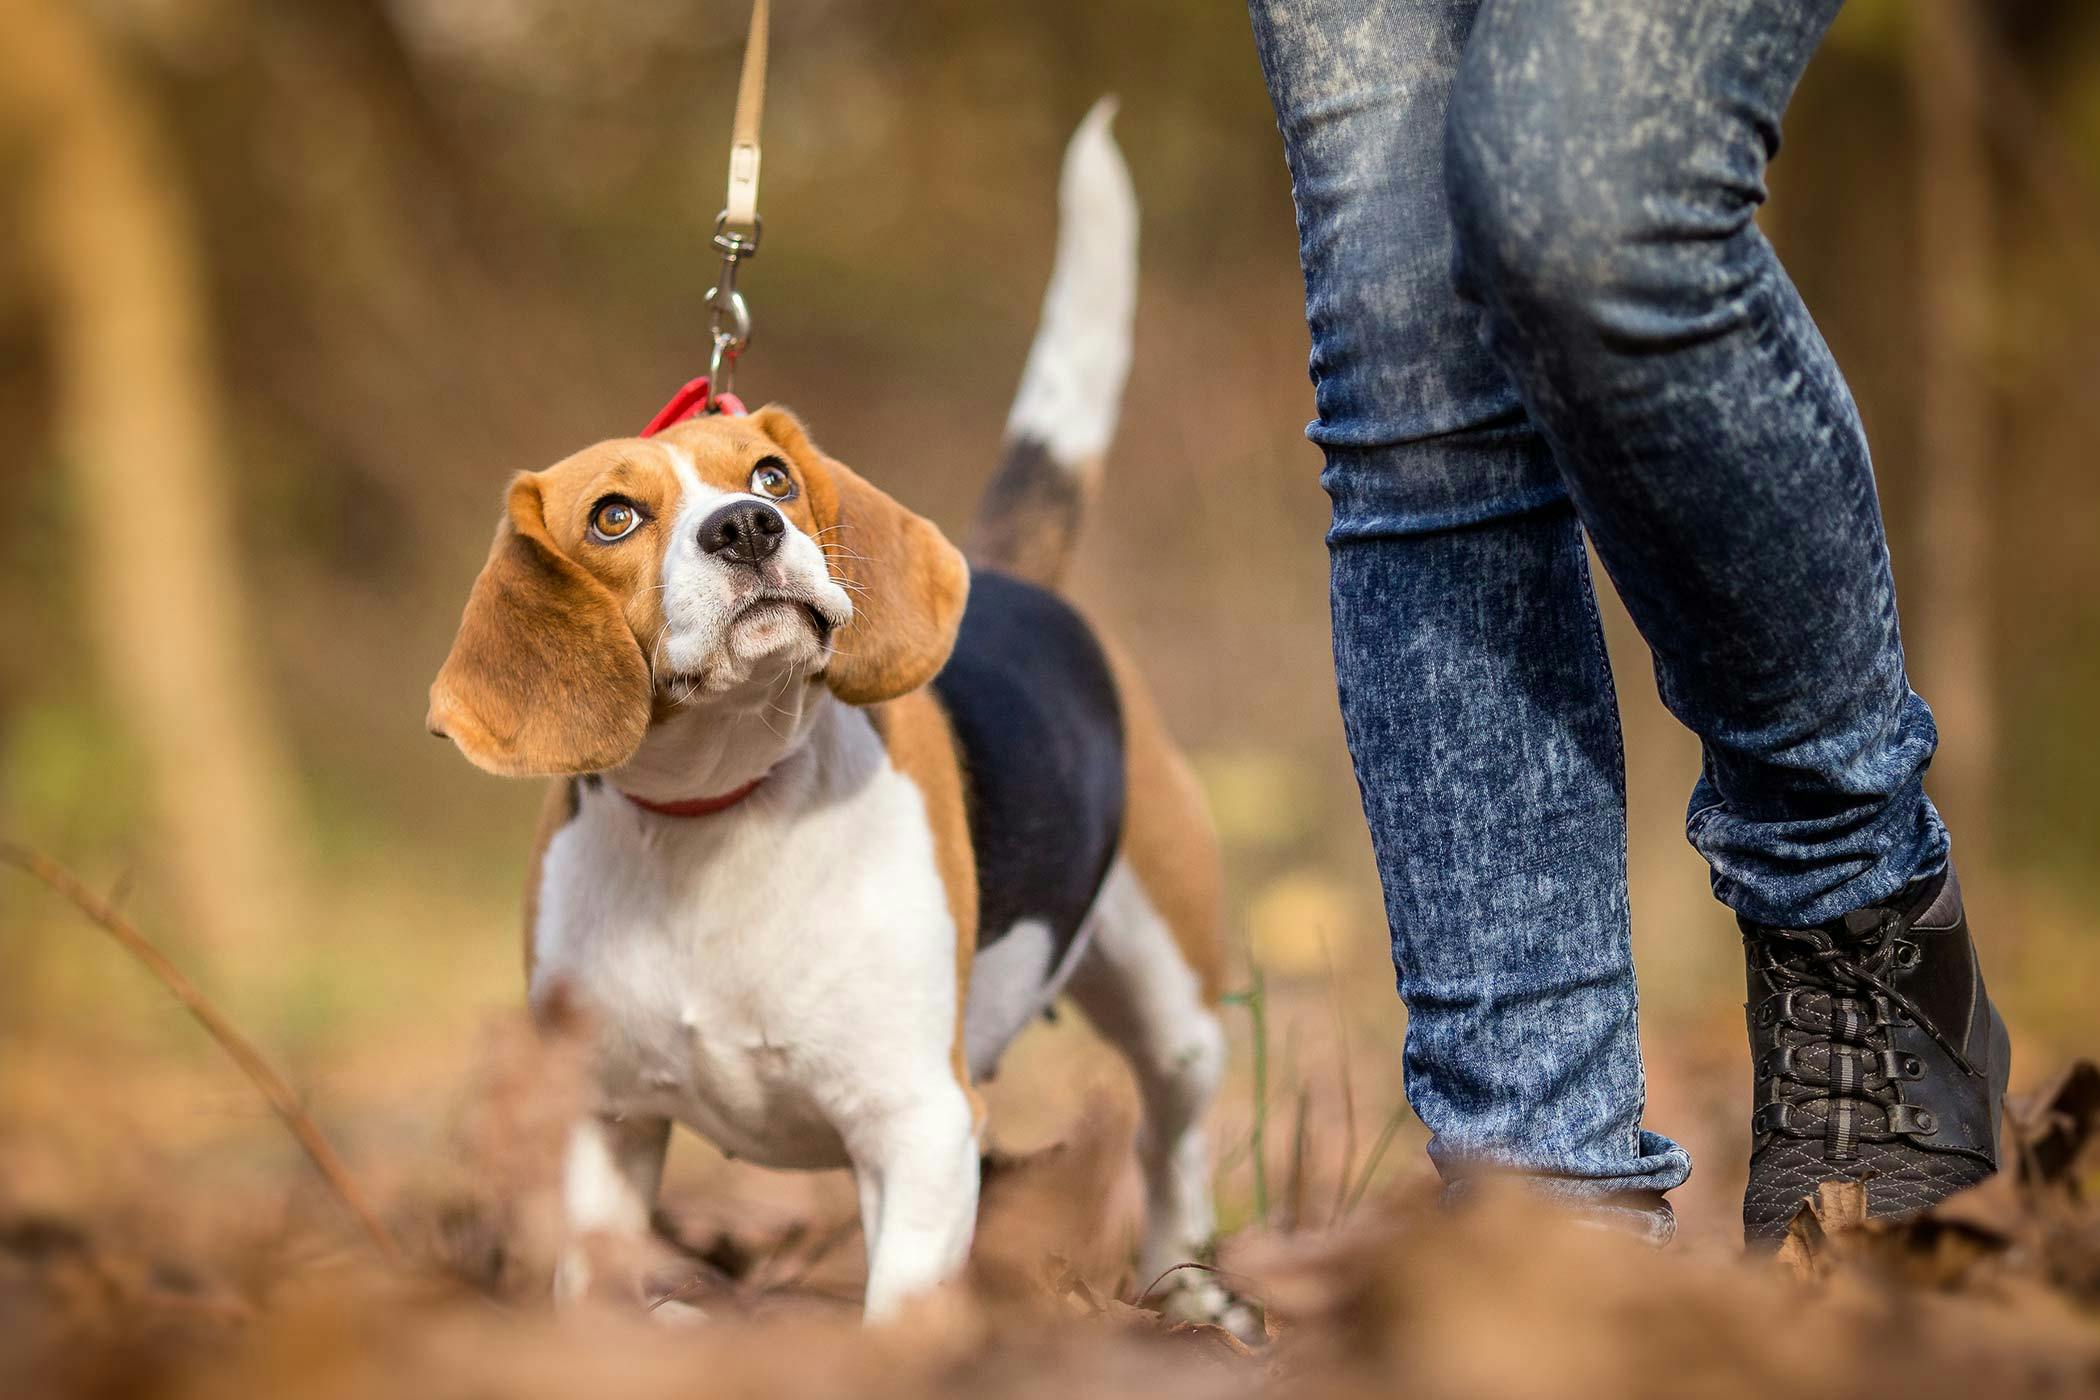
x,y
163,1294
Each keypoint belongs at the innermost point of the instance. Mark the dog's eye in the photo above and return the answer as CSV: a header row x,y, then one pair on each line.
x,y
770,479
615,519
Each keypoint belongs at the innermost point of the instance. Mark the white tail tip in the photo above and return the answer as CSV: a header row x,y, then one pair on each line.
x,y
1072,388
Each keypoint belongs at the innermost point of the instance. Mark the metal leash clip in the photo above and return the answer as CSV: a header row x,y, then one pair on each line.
x,y
729,320
729,317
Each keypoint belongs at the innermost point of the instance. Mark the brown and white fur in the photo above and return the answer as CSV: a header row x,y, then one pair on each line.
x,y
796,976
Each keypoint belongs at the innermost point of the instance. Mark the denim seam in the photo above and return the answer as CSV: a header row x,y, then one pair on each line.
x,y
1601,655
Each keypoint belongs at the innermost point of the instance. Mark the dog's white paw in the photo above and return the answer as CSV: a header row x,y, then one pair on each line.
x,y
1196,1296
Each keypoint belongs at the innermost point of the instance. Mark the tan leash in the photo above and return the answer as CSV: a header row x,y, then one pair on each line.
x,y
741,208
738,227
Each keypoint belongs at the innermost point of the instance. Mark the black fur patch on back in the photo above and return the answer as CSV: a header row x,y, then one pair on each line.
x,y
1040,735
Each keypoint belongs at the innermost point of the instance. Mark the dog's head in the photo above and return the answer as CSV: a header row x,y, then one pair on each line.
x,y
642,577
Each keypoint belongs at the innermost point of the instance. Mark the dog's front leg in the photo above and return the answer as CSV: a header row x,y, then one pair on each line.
x,y
916,1166
610,1177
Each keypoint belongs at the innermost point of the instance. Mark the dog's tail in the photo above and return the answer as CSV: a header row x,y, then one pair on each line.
x,y
1065,411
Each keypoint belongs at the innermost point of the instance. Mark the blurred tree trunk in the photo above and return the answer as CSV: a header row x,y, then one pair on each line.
x,y
1951,614
140,432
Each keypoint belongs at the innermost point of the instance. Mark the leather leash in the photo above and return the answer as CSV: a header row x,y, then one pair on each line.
x,y
736,237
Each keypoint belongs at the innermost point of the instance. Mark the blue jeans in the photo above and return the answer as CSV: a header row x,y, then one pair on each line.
x,y
1540,309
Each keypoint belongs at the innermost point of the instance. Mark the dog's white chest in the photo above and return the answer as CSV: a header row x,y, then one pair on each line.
x,y
766,975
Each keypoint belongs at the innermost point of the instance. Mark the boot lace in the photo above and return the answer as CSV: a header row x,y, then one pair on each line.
x,y
1833,1070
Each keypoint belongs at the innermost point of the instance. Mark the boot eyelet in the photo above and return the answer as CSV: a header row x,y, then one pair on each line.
x,y
1772,1118
1908,955
1913,1067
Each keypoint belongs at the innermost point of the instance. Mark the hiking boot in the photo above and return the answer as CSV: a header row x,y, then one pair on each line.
x,y
1877,1057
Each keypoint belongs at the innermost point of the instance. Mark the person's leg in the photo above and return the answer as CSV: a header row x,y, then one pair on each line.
x,y
1604,161
1474,686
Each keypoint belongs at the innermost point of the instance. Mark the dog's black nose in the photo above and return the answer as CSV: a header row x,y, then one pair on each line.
x,y
747,531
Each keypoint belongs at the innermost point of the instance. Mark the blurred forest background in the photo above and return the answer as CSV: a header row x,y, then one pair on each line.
x,y
288,289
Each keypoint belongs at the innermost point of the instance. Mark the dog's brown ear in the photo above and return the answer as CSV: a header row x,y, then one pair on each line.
x,y
907,582
545,676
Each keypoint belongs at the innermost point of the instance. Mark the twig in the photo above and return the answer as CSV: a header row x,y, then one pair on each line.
x,y
706,1280
237,1046
1173,1269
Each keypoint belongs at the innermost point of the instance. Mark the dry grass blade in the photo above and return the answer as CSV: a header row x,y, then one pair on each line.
x,y
1294,1184
1344,1058
1379,1145
260,1073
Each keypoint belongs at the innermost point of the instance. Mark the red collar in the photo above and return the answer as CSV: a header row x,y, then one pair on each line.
x,y
697,806
691,402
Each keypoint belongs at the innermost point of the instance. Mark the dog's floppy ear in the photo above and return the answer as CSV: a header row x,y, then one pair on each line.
x,y
908,583
545,676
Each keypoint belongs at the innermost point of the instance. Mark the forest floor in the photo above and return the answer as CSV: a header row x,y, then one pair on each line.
x,y
130,1266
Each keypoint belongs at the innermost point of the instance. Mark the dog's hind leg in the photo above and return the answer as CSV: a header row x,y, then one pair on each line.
x,y
1141,995
1137,988
1150,981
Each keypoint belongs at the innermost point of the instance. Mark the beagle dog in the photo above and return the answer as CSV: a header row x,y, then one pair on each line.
x,y
836,815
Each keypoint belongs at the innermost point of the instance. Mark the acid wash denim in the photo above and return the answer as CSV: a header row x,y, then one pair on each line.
x,y
1540,307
